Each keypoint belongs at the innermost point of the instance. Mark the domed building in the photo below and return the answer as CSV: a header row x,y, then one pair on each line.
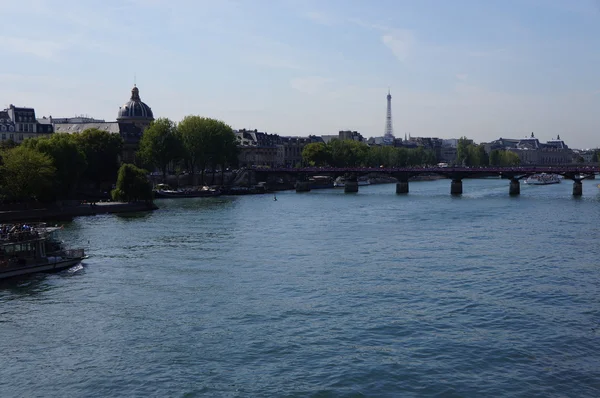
x,y
133,118
135,111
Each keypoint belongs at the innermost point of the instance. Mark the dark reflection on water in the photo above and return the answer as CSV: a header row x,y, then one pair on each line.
x,y
134,216
23,286
320,294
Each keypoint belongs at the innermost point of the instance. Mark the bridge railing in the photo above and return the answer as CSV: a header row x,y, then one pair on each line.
x,y
435,169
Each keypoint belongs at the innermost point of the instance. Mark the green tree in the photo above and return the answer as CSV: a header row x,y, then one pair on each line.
x,y
348,153
207,142
227,150
67,158
132,184
26,174
476,156
102,151
160,145
509,158
462,151
494,159
8,144
316,154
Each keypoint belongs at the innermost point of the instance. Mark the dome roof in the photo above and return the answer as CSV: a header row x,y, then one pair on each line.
x,y
135,108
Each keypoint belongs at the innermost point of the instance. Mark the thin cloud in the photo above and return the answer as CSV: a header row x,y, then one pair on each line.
x,y
462,76
400,42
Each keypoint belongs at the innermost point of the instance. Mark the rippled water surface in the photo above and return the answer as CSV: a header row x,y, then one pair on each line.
x,y
320,294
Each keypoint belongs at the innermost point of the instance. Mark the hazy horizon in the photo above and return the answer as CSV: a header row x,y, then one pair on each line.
x,y
297,67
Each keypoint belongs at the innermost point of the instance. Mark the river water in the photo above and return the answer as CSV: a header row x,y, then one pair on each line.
x,y
320,294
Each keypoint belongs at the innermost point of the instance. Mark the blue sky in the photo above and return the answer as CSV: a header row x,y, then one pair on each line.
x,y
485,69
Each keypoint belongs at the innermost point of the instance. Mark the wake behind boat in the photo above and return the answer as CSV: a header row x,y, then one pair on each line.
x,y
31,248
542,179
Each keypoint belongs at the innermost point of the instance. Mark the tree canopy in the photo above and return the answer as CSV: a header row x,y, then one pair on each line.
x,y
317,154
132,184
67,157
160,145
349,153
26,174
207,142
102,151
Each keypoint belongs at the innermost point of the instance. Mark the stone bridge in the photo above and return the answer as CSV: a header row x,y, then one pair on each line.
x,y
403,174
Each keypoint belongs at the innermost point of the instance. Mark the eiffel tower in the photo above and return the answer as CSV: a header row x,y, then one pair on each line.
x,y
388,136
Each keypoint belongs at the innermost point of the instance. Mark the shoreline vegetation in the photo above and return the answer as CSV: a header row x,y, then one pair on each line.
x,y
69,175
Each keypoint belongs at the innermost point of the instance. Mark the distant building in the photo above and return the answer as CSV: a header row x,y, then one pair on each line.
x,y
587,154
7,126
132,120
75,119
531,151
375,141
350,135
344,135
259,149
19,123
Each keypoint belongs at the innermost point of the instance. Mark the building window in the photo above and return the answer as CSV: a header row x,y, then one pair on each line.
x,y
3,136
11,136
26,128
20,127
3,128
11,128
20,137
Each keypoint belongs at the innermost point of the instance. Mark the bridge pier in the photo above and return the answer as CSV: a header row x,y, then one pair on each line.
x,y
577,188
402,187
514,187
302,186
350,186
456,187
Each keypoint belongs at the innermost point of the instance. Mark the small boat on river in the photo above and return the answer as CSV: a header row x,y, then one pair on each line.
x,y
30,248
186,193
340,182
542,179
320,182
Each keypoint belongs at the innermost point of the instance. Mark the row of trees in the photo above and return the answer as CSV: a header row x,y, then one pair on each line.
x,y
197,143
348,153
470,154
55,167
63,165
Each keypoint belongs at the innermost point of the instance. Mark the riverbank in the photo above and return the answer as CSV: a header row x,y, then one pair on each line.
x,y
56,212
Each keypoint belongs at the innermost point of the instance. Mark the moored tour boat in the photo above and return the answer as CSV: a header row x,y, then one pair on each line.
x,y
321,182
542,179
27,249
340,182
186,193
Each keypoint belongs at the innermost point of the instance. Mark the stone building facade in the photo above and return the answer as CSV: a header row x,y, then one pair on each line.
x,y
19,123
533,152
132,120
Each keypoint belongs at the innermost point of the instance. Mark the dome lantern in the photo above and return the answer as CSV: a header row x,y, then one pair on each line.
x,y
135,110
